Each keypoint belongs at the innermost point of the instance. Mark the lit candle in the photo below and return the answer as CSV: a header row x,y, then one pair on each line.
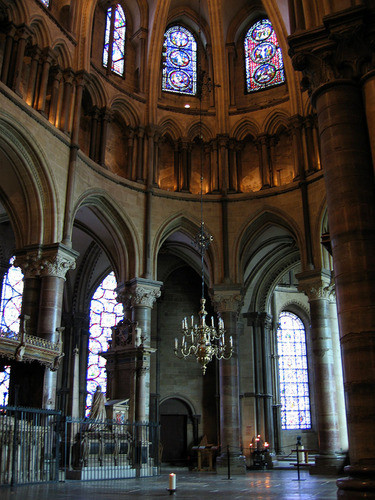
x,y
183,340
212,321
172,481
192,320
231,341
175,344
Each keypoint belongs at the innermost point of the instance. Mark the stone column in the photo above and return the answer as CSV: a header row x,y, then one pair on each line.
x,y
67,100
295,124
316,286
138,296
47,61
264,161
23,34
227,302
129,166
56,260
185,185
261,324
105,119
140,140
8,49
222,141
310,145
176,167
327,59
231,51
57,75
35,54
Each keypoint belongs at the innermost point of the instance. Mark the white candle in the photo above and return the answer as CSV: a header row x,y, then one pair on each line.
x,y
212,321
175,344
172,481
231,341
192,320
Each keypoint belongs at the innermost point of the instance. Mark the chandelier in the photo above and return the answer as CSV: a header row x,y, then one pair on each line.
x,y
201,340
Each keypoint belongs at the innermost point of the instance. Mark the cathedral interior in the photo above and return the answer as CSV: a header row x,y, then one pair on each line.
x,y
155,153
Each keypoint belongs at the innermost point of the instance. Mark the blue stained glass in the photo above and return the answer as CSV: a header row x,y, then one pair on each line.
x,y
180,61
263,58
293,373
45,2
11,298
105,312
114,39
4,385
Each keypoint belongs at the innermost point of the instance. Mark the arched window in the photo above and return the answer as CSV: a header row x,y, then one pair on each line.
x,y
11,299
179,61
263,58
105,312
293,373
10,310
114,40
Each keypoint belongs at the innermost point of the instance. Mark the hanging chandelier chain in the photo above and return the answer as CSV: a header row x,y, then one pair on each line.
x,y
201,340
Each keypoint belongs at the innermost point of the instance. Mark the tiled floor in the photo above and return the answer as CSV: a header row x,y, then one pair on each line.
x,y
261,485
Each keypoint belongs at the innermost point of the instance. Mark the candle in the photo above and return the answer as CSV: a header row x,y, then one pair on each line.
x,y
212,321
192,320
231,341
175,344
172,481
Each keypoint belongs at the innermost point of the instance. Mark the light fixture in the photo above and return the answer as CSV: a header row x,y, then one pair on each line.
x,y
201,340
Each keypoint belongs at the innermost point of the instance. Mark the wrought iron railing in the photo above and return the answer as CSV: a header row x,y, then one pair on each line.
x,y
110,449
29,445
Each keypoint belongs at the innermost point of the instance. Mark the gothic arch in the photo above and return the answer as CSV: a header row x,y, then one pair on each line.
x,y
23,165
63,55
169,126
275,121
126,110
41,33
189,228
244,128
112,229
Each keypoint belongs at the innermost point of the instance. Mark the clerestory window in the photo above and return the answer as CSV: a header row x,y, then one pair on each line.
x,y
263,58
114,40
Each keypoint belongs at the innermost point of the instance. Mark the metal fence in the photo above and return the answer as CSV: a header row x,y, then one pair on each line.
x,y
108,449
29,445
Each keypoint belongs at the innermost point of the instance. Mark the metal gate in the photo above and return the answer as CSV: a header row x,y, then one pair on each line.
x,y
29,445
109,449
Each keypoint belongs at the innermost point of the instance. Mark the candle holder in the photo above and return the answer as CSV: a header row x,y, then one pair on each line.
x,y
171,492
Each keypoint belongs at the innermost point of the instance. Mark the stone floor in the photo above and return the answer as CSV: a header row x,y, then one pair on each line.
x,y
262,485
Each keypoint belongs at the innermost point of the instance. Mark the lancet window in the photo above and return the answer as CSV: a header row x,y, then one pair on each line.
x,y
114,40
263,58
293,373
105,312
179,61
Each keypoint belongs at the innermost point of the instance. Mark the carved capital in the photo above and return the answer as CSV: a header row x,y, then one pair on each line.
x,y
316,285
141,292
57,260
227,299
340,49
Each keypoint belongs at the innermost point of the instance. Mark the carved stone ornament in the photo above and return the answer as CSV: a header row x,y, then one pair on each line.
x,y
57,265
315,285
143,296
227,300
338,50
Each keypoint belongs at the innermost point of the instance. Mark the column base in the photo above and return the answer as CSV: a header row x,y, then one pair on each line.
x,y
237,464
328,465
360,482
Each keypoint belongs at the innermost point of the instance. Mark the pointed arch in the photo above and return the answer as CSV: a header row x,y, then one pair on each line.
x,y
41,32
33,211
108,225
189,227
244,128
63,54
127,110
170,126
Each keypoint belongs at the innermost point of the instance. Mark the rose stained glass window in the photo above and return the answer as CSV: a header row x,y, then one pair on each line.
x,y
263,58
11,299
293,373
105,312
114,40
179,61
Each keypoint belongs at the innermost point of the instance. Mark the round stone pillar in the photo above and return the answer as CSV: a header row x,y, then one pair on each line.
x,y
316,287
227,302
337,51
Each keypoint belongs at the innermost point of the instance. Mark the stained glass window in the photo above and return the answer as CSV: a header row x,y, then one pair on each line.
x,y
263,58
45,2
293,373
4,386
105,312
11,298
179,61
114,40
